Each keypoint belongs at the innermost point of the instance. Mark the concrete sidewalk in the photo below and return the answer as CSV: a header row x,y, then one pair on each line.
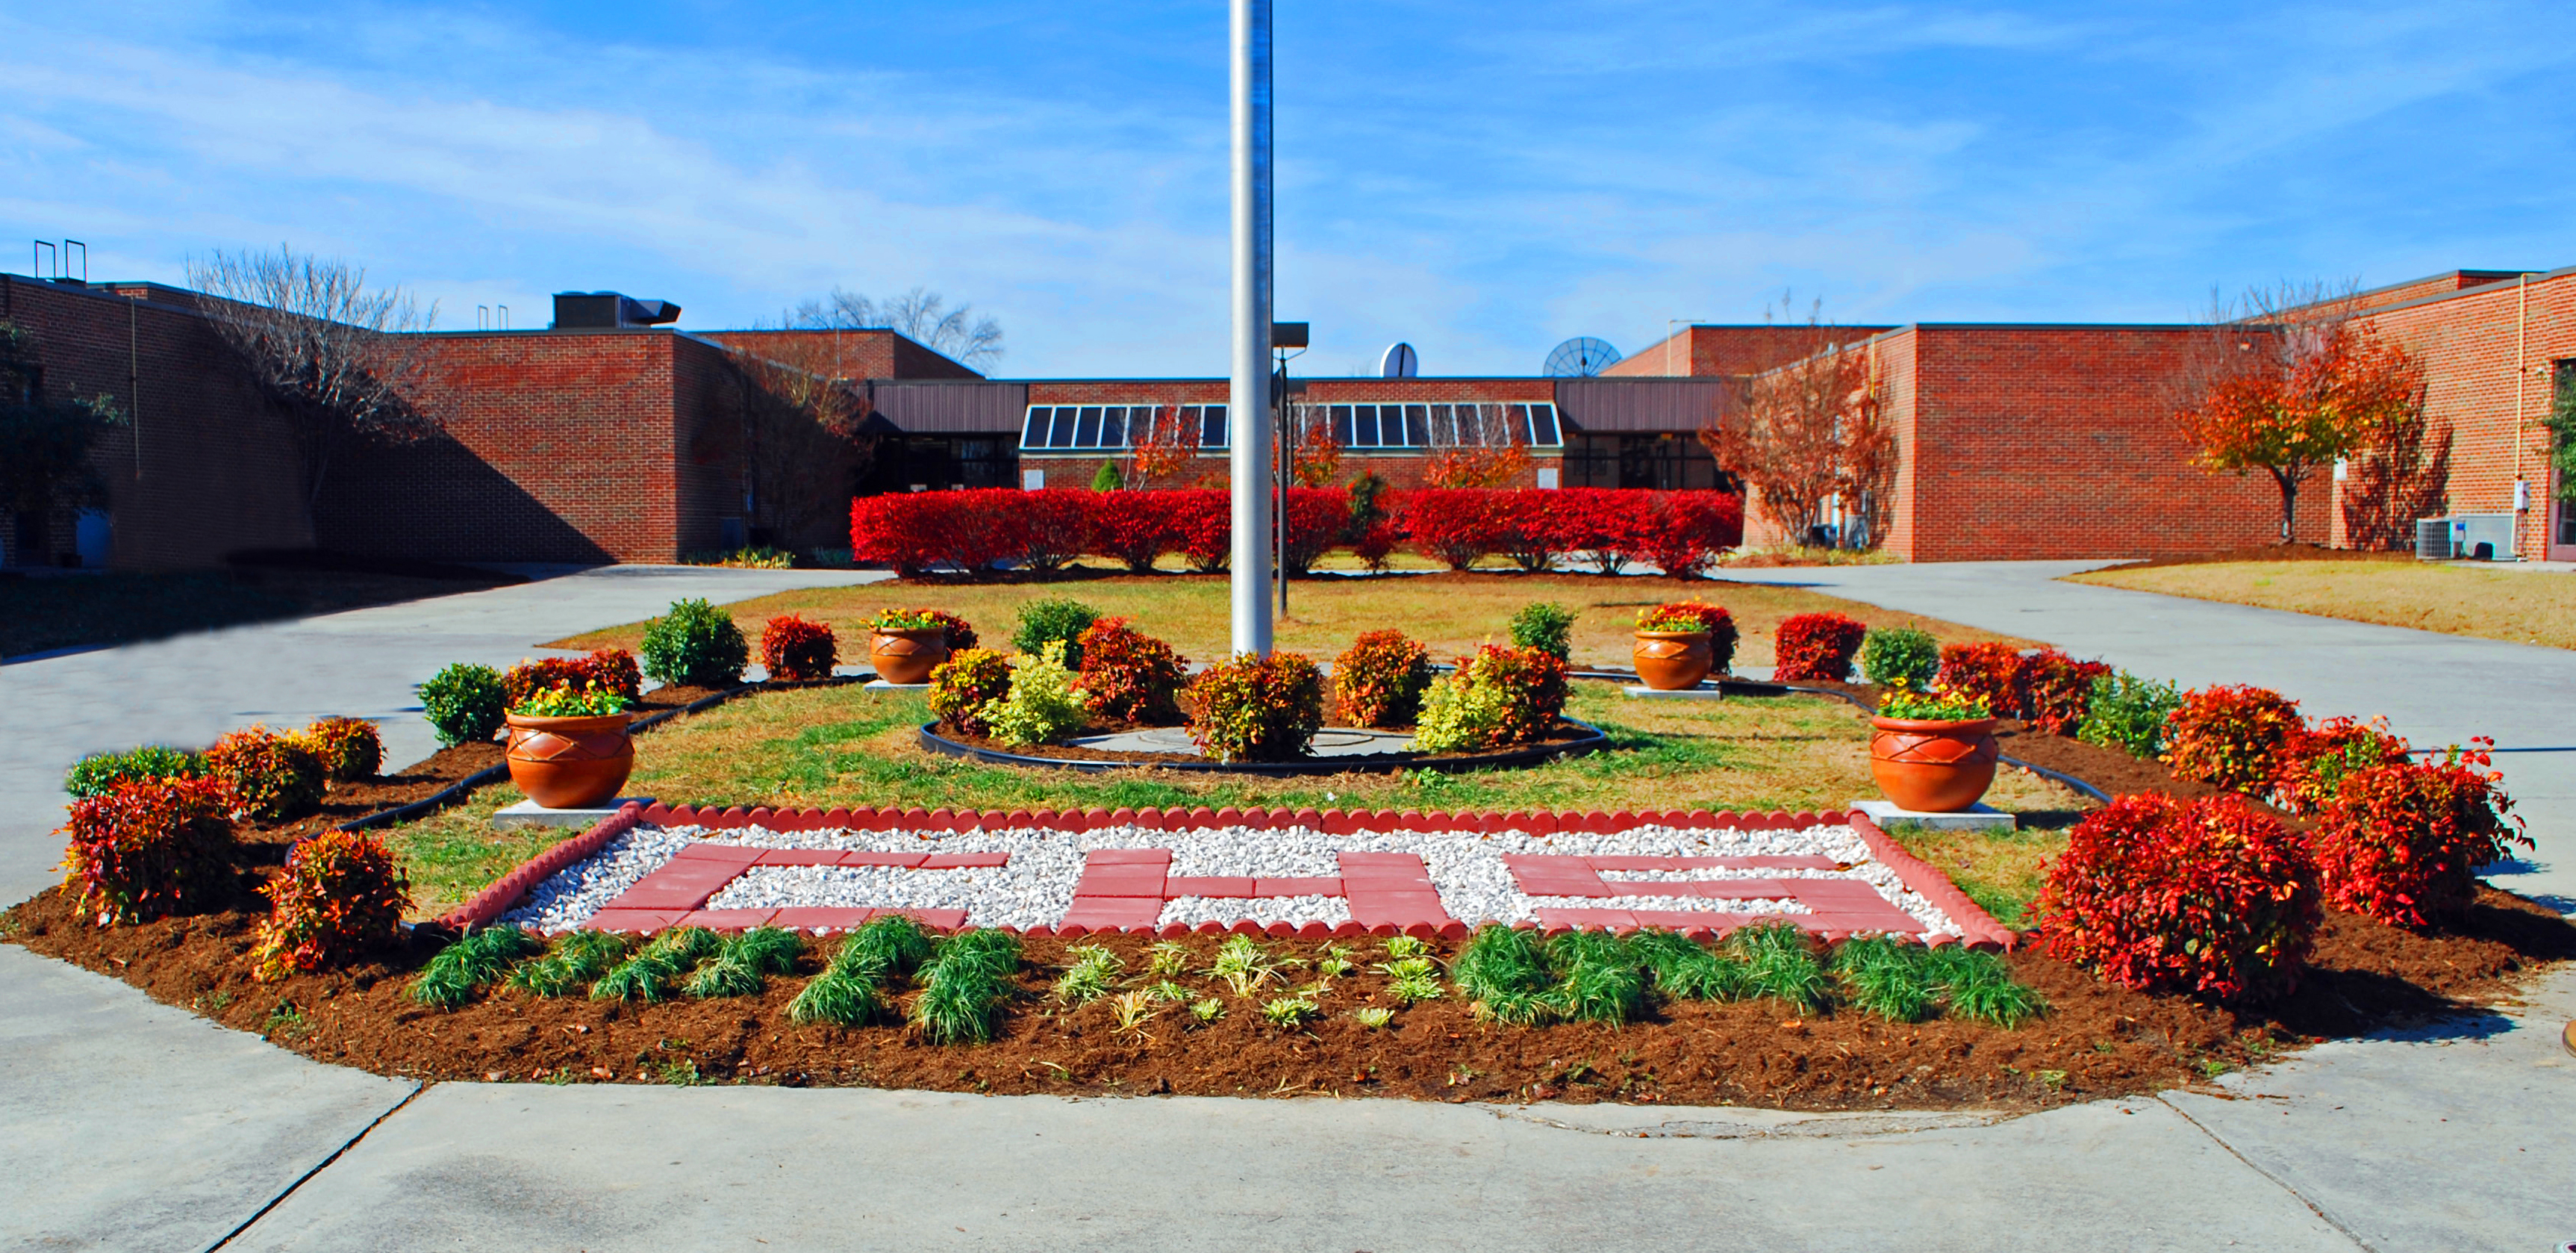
x,y
137,1125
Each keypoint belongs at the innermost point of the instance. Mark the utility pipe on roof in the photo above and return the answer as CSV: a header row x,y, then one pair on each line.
x,y
1248,399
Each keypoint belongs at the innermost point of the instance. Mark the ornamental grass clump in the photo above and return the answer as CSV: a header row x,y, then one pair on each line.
x,y
2401,842
100,773
1598,978
1042,706
1092,975
481,958
464,703
1543,625
571,964
1380,682
962,687
149,848
1686,969
1781,963
2128,713
1810,646
1891,655
695,644
965,986
1987,672
1129,674
1055,620
340,895
2210,897
1695,615
1244,963
2231,736
1879,976
1980,987
1504,973
270,777
350,749
851,990
798,649
1257,708
656,969
743,964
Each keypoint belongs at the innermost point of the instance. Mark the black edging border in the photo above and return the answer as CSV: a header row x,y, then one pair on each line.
x,y
932,740
489,775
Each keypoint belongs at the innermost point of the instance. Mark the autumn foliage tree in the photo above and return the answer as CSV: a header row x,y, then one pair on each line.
x,y
2294,383
1809,435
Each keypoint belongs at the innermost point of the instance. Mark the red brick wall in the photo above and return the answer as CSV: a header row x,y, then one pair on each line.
x,y
216,471
1707,351
872,354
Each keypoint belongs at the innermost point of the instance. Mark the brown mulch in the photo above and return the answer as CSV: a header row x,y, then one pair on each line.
x,y
1561,733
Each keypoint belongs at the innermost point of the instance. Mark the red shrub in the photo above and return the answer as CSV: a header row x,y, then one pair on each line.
x,y
2231,736
270,777
963,685
1380,681
348,748
2214,897
1452,525
2402,843
1129,674
1055,525
145,849
1204,518
1317,516
797,649
1376,544
1533,681
1257,708
1602,525
2316,761
1529,528
1816,646
1714,619
1681,533
970,530
1136,527
1987,672
2057,690
340,895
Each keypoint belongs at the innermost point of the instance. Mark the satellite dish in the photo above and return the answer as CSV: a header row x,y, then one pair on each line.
x,y
1579,357
1399,362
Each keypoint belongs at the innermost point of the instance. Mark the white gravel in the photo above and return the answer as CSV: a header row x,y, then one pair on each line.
x,y
1037,886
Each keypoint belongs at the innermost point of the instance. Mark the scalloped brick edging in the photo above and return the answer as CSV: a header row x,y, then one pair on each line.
x,y
1918,875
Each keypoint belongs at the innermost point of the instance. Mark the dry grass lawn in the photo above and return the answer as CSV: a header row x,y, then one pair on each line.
x,y
2521,607
822,747
1452,613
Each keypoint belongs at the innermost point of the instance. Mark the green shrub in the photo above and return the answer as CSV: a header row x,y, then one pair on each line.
x,y
1891,655
695,645
1107,478
1054,620
2128,713
464,703
271,777
1457,716
349,748
964,686
99,773
1380,682
1545,626
1043,706
1502,695
1258,708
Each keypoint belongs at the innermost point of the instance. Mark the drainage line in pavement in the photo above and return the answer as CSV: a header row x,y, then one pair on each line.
x,y
2277,1181
318,1167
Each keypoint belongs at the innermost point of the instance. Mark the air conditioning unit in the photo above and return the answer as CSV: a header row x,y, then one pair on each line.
x,y
2433,540
2482,536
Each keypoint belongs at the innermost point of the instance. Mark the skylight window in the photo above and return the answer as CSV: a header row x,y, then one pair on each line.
x,y
1070,428
1437,426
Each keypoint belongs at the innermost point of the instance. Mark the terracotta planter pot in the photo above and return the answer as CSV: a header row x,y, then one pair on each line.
x,y
907,656
1673,661
1933,766
570,763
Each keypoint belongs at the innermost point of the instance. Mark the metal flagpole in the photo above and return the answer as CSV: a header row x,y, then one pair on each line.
x,y
1248,400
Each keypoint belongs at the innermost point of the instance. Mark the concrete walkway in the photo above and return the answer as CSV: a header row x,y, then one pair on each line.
x,y
135,1125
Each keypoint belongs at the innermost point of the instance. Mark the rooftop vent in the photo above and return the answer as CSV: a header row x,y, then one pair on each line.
x,y
608,310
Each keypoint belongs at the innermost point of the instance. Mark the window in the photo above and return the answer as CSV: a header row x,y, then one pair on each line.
x,y
1435,426
1067,428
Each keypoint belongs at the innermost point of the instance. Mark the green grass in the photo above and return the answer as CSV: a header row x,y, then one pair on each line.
x,y
2002,871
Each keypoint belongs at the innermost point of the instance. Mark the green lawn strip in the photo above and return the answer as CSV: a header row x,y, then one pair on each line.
x,y
2000,870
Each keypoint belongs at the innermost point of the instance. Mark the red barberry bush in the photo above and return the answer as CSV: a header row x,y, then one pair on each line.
x,y
963,685
1816,646
1532,682
2316,761
149,848
270,777
1682,533
340,895
1455,526
798,649
2231,736
1205,518
1987,672
1257,708
615,670
1376,544
2212,897
1129,674
349,748
2057,690
1380,681
1136,527
1714,619
2402,843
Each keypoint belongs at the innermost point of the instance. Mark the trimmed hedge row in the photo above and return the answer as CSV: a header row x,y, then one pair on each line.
x,y
1610,529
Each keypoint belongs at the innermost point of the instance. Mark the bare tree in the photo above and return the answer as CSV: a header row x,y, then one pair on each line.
x,y
803,449
920,315
344,362
1809,435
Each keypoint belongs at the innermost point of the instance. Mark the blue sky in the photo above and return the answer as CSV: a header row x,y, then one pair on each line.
x,y
1482,179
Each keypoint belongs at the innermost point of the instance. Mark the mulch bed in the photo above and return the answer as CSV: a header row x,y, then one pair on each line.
x,y
2096,1041
1561,733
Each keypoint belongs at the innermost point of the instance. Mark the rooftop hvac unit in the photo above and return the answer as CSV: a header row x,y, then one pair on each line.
x,y
2433,539
606,310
